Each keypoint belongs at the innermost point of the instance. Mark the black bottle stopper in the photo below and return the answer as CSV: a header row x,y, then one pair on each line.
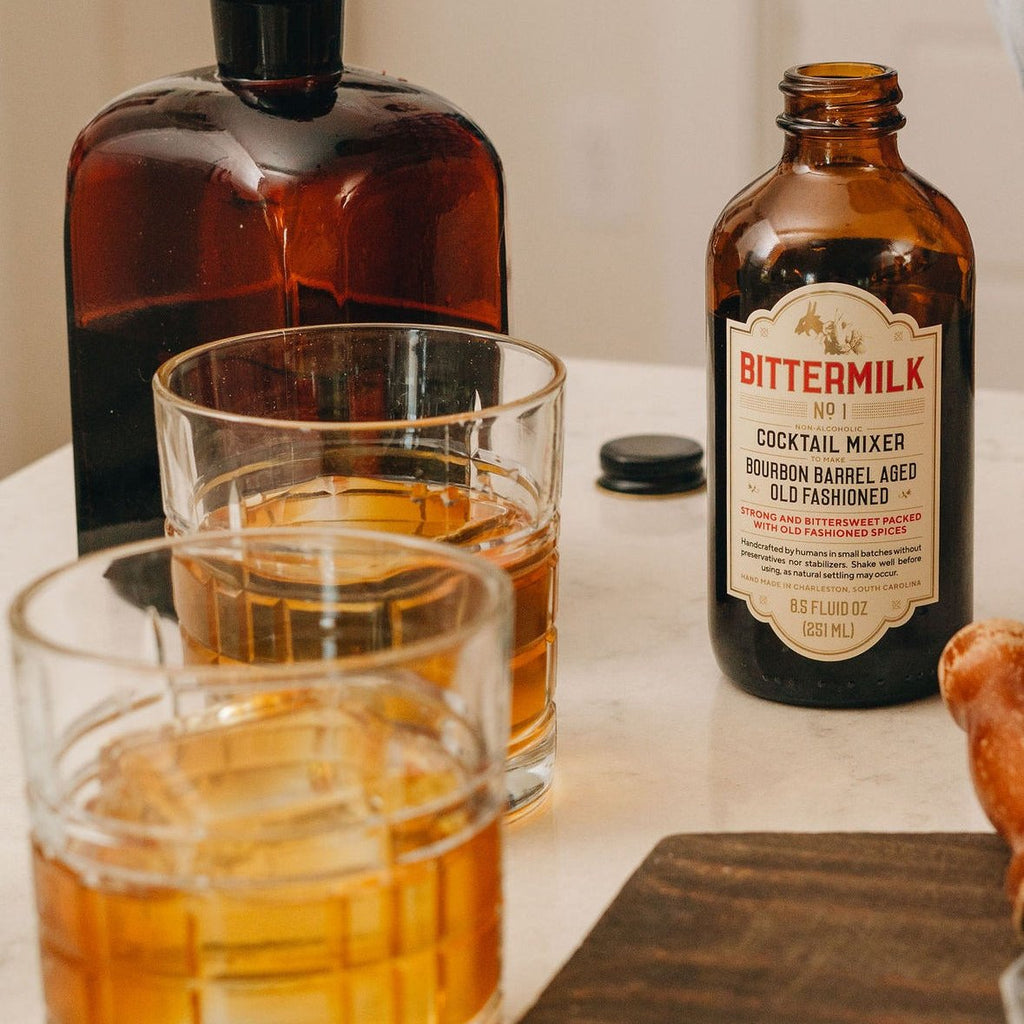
x,y
274,40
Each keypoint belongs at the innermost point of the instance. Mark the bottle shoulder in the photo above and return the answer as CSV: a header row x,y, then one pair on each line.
x,y
885,230
194,117
788,208
356,88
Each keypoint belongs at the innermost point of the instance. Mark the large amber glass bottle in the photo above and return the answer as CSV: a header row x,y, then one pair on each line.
x,y
840,325
277,188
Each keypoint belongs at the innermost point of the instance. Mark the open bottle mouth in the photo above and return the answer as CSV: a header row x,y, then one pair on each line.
x,y
841,96
832,70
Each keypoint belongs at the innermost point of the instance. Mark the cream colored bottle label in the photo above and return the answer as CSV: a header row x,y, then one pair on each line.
x,y
833,468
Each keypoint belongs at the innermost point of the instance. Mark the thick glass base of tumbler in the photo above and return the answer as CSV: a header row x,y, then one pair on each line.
x,y
531,767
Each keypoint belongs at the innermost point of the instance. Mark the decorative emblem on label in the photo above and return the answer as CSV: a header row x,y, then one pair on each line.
x,y
833,468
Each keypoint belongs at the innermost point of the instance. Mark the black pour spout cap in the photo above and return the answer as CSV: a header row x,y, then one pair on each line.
x,y
270,40
652,464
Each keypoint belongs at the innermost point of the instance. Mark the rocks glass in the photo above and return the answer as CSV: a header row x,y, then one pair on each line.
x,y
447,434
266,779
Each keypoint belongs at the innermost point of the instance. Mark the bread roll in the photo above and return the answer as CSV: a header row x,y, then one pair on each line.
x,y
981,676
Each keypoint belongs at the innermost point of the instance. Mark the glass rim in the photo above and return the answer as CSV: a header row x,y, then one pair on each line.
x,y
538,396
839,72
497,603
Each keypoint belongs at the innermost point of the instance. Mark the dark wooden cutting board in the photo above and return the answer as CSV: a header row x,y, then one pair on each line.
x,y
780,928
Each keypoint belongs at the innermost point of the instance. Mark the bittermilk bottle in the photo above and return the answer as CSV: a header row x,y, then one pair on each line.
x,y
841,311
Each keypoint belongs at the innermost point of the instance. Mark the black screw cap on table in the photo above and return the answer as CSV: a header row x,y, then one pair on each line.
x,y
652,464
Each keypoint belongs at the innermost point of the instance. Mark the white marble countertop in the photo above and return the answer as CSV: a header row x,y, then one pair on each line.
x,y
652,740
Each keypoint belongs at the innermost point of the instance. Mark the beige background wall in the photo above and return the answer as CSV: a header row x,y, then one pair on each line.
x,y
623,129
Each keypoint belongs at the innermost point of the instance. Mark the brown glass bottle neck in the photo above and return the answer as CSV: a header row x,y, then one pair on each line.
x,y
278,40
841,113
820,150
